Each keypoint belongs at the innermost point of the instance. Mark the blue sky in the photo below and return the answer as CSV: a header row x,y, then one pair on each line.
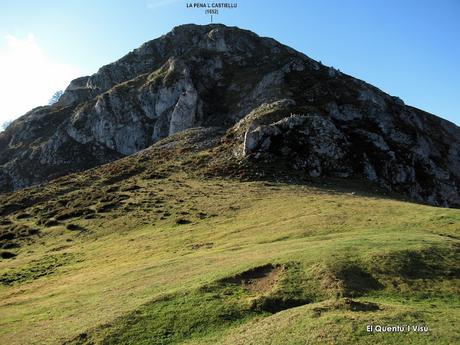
x,y
407,48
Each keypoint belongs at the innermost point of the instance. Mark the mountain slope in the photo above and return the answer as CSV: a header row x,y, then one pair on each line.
x,y
159,248
278,105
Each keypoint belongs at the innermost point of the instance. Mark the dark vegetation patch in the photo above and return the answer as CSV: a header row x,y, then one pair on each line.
x,y
7,235
7,255
119,172
113,189
59,248
155,175
360,306
75,227
23,215
37,268
106,207
182,221
9,208
51,222
345,304
9,245
202,215
73,213
197,246
13,235
131,187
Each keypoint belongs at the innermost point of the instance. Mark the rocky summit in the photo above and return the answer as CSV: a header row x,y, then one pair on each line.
x,y
272,103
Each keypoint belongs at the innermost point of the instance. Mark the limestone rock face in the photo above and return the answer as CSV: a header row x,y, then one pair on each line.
x,y
407,151
280,103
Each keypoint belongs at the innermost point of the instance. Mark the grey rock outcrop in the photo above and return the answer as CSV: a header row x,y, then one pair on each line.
x,y
279,102
407,151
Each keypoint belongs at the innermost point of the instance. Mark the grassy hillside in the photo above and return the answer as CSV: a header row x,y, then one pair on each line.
x,y
145,251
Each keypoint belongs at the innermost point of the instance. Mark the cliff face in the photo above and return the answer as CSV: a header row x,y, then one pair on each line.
x,y
278,103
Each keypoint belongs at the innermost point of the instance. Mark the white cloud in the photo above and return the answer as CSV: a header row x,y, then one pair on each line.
x,y
28,77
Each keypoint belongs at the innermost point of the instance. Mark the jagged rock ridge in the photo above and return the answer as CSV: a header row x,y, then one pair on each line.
x,y
277,102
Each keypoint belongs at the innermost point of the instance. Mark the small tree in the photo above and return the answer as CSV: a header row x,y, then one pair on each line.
x,y
55,97
5,125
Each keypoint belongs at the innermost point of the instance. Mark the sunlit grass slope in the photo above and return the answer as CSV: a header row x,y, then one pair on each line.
x,y
176,258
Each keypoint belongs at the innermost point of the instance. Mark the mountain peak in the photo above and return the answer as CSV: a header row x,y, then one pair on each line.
x,y
276,104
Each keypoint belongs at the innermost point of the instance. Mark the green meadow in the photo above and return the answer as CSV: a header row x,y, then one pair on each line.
x,y
146,251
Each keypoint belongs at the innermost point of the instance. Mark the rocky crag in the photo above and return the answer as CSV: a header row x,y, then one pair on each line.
x,y
274,103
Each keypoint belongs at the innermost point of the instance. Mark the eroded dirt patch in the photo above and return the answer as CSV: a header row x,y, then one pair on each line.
x,y
259,279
